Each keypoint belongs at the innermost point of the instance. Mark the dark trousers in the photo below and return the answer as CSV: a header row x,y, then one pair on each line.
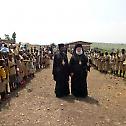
x,y
12,79
3,94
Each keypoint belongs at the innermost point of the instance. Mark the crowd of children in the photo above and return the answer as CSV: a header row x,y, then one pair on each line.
x,y
113,62
17,65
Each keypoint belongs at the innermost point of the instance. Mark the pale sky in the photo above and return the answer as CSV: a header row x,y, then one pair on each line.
x,y
48,21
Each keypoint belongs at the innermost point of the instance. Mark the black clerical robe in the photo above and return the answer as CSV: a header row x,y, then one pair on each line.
x,y
61,74
79,68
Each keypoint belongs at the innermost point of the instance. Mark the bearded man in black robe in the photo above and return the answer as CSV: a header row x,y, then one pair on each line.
x,y
61,72
78,71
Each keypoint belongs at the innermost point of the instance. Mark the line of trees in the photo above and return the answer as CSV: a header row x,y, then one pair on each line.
x,y
13,37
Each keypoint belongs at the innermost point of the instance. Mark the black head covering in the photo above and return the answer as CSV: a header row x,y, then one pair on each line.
x,y
106,53
60,45
123,50
76,46
111,53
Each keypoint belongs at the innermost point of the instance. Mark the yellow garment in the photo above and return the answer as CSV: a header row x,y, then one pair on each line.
x,y
2,76
2,73
15,51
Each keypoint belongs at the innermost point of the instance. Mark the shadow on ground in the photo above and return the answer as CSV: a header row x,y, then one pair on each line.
x,y
88,99
5,104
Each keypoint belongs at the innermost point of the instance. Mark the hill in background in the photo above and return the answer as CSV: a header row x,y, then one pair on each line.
x,y
108,46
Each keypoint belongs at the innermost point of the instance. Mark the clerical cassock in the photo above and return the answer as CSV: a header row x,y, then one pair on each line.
x,y
61,72
78,71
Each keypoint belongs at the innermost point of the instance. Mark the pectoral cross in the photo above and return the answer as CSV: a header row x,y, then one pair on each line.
x,y
63,63
80,62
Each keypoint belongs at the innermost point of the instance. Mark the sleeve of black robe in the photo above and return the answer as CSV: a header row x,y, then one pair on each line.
x,y
71,65
54,67
58,67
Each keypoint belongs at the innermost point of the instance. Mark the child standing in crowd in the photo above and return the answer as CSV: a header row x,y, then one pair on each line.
x,y
12,73
19,78
6,67
37,60
31,67
47,60
25,67
2,80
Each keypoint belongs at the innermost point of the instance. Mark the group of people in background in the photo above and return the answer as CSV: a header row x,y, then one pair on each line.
x,y
18,65
114,62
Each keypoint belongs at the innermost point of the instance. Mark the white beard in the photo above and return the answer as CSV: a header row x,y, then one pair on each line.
x,y
79,53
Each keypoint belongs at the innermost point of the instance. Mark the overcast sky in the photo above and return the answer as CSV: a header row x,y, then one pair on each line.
x,y
47,21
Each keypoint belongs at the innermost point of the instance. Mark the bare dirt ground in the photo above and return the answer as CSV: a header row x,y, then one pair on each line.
x,y
36,104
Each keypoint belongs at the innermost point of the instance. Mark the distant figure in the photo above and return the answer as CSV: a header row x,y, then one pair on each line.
x,y
46,60
61,72
78,71
122,59
107,61
14,37
31,50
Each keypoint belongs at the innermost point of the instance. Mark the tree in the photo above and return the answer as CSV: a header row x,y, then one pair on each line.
x,y
7,37
53,45
14,37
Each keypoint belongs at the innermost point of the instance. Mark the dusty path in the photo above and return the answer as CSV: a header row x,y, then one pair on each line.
x,y
37,105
